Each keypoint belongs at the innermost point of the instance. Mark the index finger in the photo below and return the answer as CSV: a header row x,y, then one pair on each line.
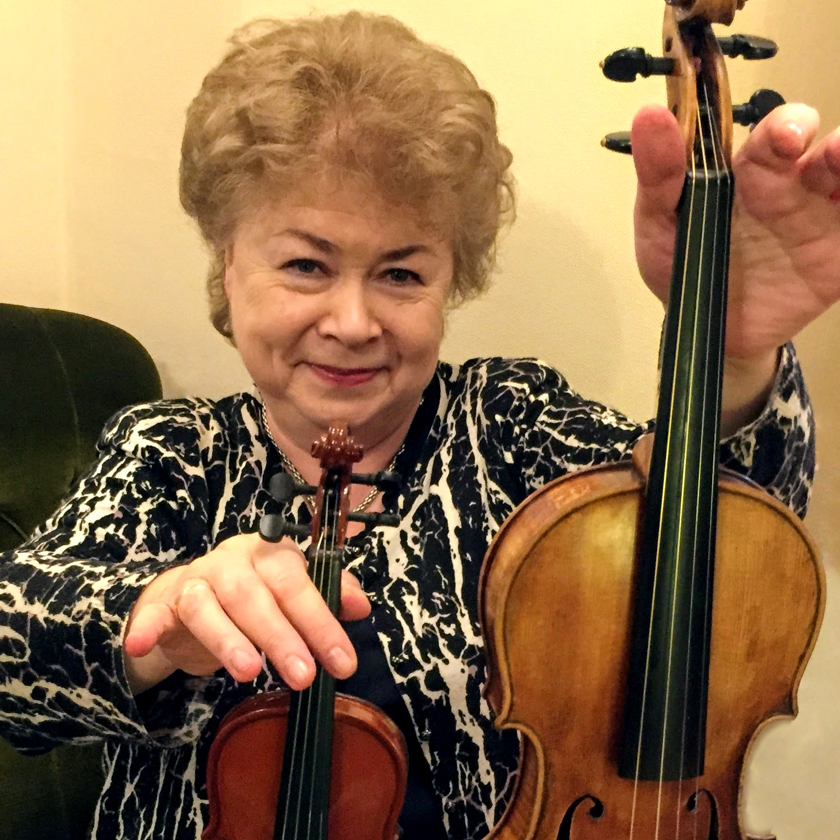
x,y
304,607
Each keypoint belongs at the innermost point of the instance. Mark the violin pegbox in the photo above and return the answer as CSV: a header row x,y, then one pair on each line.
x,y
692,52
337,451
697,55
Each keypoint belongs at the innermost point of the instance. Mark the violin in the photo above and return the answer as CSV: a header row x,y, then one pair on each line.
x,y
285,765
643,620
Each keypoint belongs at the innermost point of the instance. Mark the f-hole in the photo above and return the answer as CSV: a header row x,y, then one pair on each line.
x,y
691,807
595,812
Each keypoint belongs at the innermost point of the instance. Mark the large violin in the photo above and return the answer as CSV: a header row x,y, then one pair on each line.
x,y
643,620
286,765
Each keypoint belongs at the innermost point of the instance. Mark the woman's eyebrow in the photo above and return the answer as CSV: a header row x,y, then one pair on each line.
x,y
402,253
317,242
327,247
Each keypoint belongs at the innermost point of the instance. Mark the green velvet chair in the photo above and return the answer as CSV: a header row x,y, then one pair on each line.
x,y
62,375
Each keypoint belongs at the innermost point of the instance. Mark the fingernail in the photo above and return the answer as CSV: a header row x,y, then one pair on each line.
x,y
794,127
340,664
297,670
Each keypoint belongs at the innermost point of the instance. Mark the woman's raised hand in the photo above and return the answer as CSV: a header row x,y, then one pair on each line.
x,y
785,259
245,597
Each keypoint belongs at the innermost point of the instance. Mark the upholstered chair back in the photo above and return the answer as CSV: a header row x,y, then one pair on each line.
x,y
62,375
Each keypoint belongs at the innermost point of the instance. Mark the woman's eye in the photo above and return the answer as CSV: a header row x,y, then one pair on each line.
x,y
304,266
403,276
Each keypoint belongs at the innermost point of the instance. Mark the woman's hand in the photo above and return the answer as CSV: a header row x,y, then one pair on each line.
x,y
223,609
785,256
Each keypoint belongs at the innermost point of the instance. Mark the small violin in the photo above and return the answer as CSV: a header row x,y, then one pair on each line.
x,y
286,765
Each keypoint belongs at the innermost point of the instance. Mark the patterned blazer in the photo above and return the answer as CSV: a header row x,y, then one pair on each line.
x,y
175,478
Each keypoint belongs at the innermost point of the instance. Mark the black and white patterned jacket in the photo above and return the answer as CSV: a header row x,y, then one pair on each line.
x,y
177,477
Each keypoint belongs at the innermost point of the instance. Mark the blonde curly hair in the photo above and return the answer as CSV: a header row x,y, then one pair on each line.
x,y
355,93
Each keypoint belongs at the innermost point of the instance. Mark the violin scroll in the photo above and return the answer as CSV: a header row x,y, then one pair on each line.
x,y
712,11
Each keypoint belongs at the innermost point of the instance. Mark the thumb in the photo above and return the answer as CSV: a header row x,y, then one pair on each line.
x,y
354,603
147,627
660,160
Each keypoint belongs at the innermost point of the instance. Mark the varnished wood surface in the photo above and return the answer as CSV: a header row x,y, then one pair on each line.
x,y
682,90
555,609
243,781
715,11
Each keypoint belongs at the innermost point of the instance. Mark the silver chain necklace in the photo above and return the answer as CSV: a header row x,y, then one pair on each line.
x,y
294,472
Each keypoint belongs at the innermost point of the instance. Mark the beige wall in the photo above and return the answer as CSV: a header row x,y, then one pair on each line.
x,y
91,105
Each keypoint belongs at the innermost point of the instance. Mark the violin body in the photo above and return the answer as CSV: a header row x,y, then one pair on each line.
x,y
243,778
556,602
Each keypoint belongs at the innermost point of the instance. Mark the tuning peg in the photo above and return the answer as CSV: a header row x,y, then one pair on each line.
x,y
379,479
389,519
761,103
749,47
283,488
625,65
273,528
618,142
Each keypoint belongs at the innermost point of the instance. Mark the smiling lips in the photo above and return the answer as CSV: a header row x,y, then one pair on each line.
x,y
346,377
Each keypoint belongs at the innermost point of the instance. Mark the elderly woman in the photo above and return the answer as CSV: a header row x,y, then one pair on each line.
x,y
350,183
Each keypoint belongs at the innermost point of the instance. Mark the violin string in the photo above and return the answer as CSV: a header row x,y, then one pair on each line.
x,y
664,494
292,819
331,515
311,696
695,364
302,759
683,500
717,320
703,419
328,528
723,179
643,710
720,167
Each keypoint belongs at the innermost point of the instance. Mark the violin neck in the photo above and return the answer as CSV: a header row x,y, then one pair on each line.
x,y
665,712
303,801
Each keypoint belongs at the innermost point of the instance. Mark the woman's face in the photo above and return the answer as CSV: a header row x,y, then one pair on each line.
x,y
337,306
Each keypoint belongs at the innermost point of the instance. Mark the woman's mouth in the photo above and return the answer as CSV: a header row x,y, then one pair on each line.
x,y
344,377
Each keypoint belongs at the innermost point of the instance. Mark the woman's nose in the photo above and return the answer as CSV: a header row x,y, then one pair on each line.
x,y
350,315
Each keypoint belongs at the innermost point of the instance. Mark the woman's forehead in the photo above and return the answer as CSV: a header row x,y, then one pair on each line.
x,y
348,205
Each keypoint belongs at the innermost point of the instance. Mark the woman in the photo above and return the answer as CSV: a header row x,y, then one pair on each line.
x,y
350,183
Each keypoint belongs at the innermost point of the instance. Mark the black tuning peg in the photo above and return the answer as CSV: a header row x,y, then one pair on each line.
x,y
283,488
273,528
379,479
626,65
375,518
761,103
618,142
748,47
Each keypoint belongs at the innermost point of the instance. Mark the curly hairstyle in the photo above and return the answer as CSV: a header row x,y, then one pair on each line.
x,y
354,93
